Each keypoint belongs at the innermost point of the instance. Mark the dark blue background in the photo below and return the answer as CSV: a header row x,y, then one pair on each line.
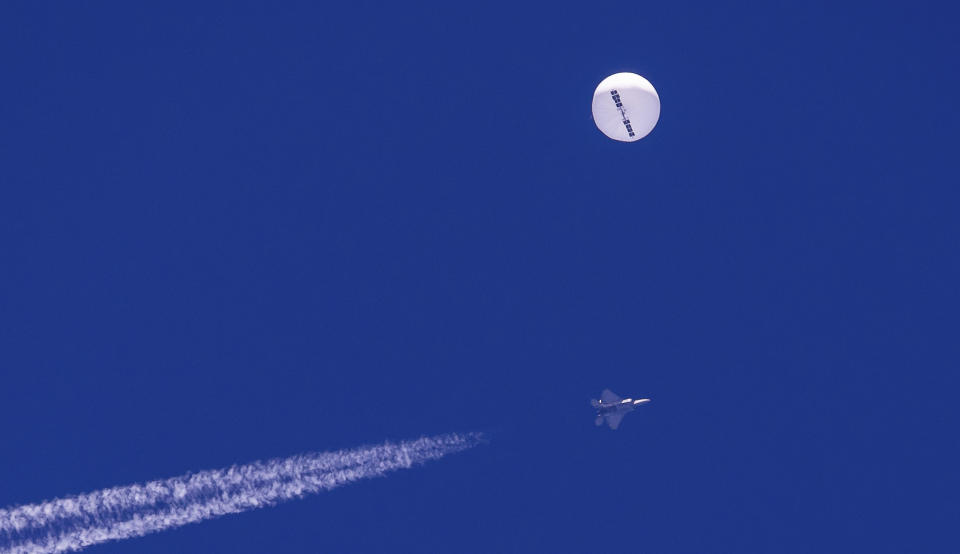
x,y
240,231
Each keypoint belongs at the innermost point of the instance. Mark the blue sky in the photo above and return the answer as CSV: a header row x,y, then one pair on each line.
x,y
238,231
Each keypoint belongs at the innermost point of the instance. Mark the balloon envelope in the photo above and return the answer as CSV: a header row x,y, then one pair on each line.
x,y
626,107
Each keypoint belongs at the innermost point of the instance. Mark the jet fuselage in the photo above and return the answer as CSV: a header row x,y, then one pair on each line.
x,y
611,408
625,405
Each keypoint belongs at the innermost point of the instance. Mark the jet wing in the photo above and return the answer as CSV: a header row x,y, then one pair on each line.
x,y
613,419
607,397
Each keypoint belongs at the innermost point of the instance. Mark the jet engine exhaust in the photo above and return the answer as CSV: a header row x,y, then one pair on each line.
x,y
76,522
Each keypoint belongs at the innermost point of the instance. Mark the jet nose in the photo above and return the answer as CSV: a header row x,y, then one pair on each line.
x,y
641,401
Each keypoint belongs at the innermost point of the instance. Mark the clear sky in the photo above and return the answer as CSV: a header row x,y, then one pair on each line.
x,y
234,231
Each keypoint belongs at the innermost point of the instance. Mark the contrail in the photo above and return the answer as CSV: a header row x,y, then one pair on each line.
x,y
75,522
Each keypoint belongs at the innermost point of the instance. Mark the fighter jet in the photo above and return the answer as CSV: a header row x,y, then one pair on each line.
x,y
612,408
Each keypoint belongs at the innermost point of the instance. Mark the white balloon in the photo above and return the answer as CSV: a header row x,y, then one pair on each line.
x,y
626,107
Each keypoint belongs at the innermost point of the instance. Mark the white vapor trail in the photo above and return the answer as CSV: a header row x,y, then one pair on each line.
x,y
75,522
